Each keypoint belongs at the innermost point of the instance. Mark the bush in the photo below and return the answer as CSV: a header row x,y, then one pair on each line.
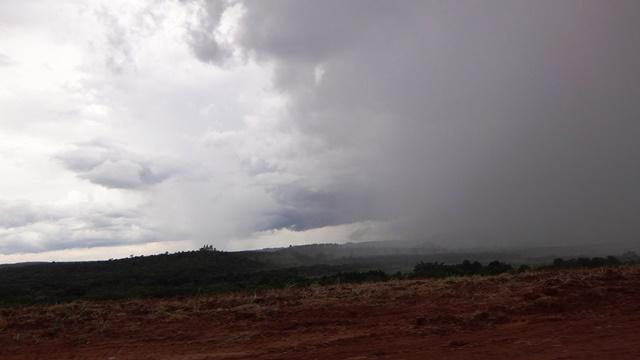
x,y
466,268
584,262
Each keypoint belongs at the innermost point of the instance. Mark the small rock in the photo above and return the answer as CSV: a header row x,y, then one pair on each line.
x,y
457,343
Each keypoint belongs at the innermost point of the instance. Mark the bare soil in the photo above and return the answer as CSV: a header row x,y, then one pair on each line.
x,y
579,314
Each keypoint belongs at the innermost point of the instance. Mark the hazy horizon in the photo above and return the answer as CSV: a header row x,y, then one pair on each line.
x,y
139,127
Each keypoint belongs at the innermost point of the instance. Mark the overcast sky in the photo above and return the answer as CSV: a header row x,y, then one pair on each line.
x,y
138,127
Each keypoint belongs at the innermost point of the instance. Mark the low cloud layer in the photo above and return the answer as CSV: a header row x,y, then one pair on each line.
x,y
22,214
27,228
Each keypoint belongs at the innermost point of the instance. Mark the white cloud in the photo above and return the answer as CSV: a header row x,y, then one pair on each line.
x,y
124,74
5,60
29,228
114,167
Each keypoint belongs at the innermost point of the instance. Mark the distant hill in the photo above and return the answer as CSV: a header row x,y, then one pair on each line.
x,y
183,273
22,264
402,255
208,270
161,275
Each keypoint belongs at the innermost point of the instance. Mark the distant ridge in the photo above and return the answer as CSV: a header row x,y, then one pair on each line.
x,y
22,264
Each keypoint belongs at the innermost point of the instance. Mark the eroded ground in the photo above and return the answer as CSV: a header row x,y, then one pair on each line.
x,y
582,314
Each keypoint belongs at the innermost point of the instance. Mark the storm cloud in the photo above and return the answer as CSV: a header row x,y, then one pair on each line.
x,y
254,123
495,117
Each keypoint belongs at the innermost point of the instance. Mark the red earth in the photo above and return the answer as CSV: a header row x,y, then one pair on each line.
x,y
579,314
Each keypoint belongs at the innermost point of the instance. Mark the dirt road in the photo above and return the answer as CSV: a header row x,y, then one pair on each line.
x,y
582,314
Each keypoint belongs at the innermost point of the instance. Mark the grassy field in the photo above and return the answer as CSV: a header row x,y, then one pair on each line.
x,y
551,314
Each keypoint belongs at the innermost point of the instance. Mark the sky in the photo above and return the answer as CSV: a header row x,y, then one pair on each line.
x,y
139,127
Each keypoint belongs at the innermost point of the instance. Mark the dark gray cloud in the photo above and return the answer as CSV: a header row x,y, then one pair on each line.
x,y
114,167
303,209
500,117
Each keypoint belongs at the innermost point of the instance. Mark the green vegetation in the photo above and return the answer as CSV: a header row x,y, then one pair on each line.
x,y
584,262
158,275
466,268
211,271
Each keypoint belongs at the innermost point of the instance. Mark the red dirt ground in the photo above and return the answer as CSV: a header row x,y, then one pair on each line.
x,y
582,314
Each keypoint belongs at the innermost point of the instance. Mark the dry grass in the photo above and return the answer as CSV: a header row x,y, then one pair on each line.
x,y
486,300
